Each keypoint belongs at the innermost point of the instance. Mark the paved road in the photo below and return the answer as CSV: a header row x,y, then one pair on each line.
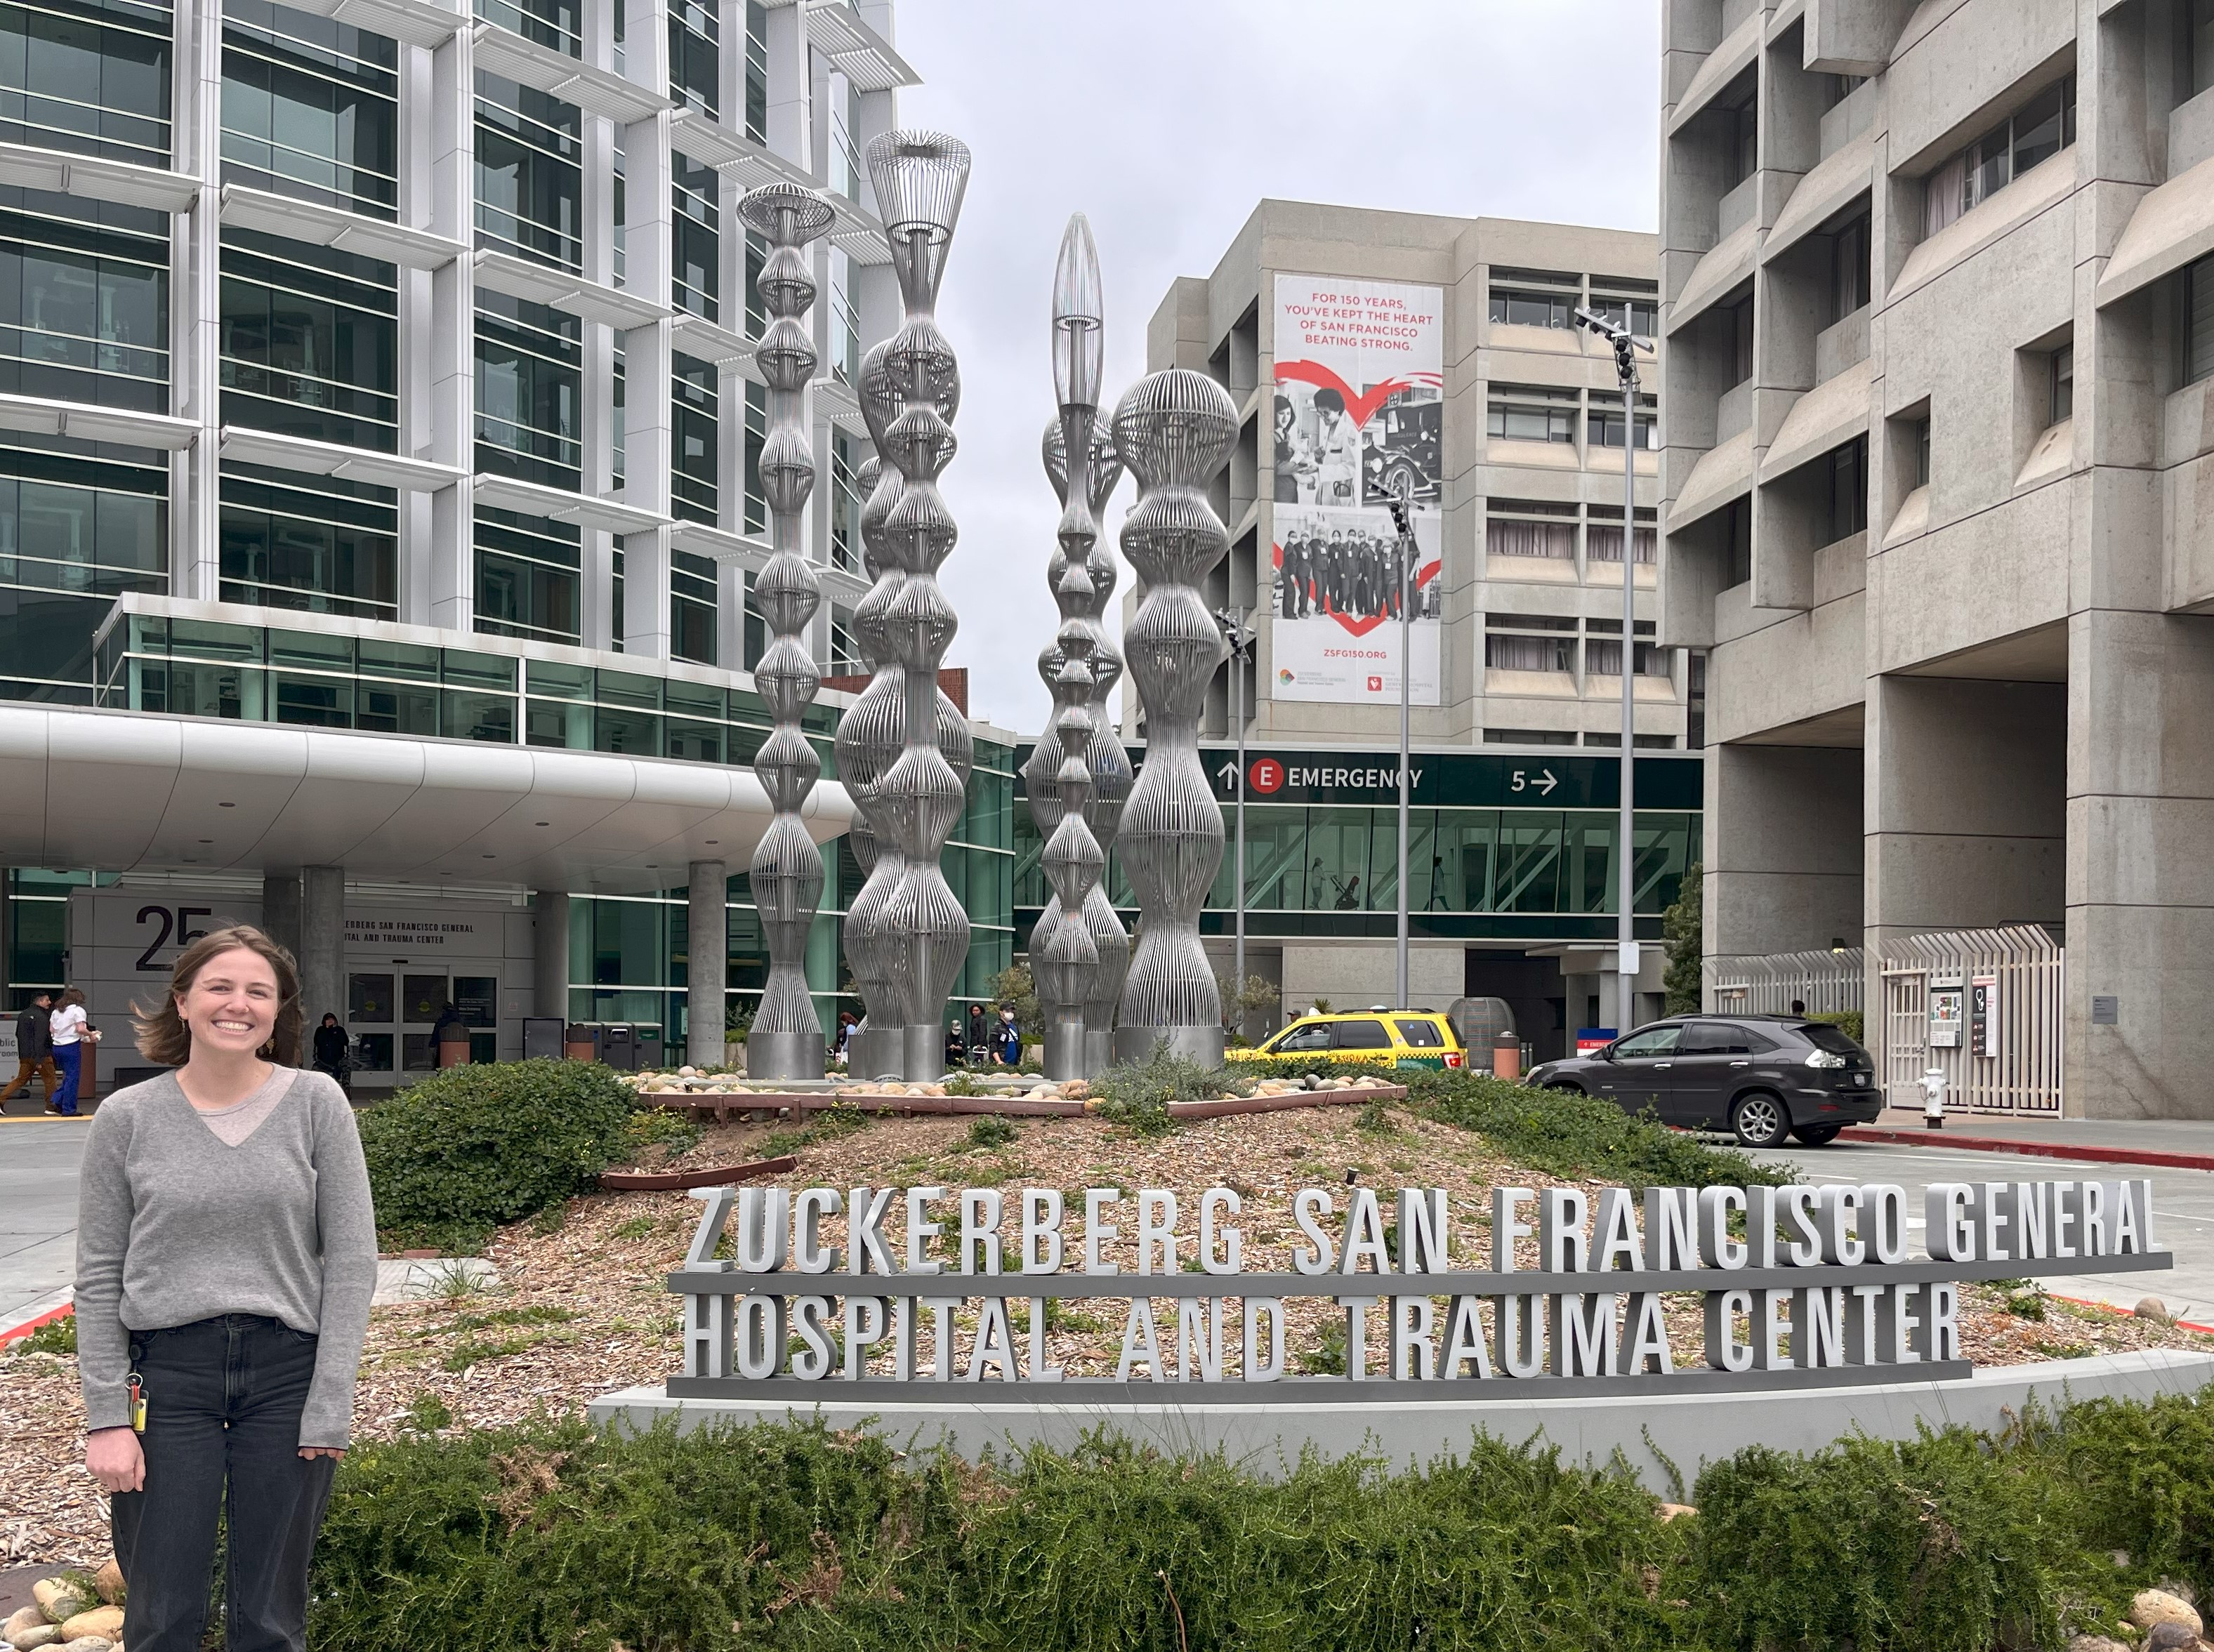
x,y
38,1171
38,1212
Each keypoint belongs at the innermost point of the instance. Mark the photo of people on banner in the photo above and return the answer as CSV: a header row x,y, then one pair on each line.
x,y
1356,423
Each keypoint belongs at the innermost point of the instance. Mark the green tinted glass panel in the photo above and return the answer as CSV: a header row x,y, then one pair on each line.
x,y
561,681
476,671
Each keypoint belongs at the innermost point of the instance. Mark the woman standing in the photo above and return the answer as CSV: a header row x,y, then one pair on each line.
x,y
70,1030
226,1255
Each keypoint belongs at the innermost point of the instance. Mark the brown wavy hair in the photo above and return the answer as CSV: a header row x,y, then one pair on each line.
x,y
162,1033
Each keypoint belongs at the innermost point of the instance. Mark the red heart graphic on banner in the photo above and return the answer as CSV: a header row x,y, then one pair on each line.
x,y
1361,627
1357,406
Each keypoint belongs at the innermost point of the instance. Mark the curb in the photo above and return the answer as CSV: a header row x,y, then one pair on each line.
x,y
2097,1155
43,1316
649,1181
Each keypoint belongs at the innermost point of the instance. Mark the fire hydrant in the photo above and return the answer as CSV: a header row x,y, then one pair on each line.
x,y
1933,1097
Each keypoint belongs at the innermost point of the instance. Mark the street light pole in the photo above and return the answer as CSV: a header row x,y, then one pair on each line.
x,y
1240,634
1626,344
1399,518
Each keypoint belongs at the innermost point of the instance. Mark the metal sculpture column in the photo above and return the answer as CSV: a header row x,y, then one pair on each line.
x,y
869,739
786,1041
1173,430
920,178
1066,956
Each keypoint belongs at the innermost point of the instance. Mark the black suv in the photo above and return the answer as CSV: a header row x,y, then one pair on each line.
x,y
1763,1077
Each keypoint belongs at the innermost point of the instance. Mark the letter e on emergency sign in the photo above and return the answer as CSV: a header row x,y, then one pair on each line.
x,y
1266,774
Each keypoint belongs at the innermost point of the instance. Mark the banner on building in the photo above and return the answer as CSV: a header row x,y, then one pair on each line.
x,y
1357,423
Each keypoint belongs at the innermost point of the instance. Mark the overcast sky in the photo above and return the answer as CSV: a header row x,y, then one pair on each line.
x,y
1165,122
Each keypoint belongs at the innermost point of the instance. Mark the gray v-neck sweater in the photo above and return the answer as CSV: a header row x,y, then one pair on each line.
x,y
174,1226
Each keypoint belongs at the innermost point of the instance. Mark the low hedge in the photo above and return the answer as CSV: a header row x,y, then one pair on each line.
x,y
552,1535
467,1149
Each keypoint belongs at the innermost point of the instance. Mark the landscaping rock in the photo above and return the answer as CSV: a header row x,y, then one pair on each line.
x,y
59,1599
89,1643
2095,1643
39,1634
108,1581
102,1623
28,1618
2174,1636
2154,1607
1670,1511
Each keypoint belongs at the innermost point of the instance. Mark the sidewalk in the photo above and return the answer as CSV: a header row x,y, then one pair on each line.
x,y
2166,1143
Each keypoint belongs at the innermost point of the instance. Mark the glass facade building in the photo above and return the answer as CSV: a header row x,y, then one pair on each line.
x,y
406,391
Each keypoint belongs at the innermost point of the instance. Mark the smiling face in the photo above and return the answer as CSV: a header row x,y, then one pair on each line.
x,y
231,1005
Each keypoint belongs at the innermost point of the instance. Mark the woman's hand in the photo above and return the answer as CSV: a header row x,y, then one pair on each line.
x,y
311,1452
115,1459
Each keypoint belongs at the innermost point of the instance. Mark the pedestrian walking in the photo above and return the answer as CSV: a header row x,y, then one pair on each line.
x,y
34,1048
226,1256
70,1029
331,1047
1010,1039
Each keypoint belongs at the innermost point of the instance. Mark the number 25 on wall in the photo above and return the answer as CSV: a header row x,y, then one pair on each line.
x,y
176,925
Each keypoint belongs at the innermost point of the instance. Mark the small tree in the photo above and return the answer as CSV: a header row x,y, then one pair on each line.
x,y
1014,988
1682,926
1242,1000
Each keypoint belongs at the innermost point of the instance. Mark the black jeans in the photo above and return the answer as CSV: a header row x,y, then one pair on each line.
x,y
224,1399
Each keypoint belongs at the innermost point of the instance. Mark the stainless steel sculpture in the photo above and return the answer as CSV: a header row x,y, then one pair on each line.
x,y
869,739
1079,773
1173,430
786,872
905,928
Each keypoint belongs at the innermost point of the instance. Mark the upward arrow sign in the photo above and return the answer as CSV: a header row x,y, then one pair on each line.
x,y
1545,782
1228,772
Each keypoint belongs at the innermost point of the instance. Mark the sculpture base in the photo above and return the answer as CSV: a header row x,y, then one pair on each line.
x,y
923,1052
1098,1051
873,1054
1201,1044
1066,1048
784,1056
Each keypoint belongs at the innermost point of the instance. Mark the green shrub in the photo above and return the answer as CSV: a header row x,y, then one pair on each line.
x,y
1852,1021
474,1147
1137,1093
55,1336
1327,1063
658,1127
794,1535
1565,1133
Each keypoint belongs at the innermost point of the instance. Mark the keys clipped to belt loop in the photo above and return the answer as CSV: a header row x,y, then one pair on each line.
x,y
137,1385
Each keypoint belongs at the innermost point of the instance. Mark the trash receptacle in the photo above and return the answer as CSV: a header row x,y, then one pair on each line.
x,y
619,1046
1506,1056
646,1044
582,1043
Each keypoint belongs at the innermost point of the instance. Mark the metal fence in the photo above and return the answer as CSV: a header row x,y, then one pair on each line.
x,y
1982,1008
1827,981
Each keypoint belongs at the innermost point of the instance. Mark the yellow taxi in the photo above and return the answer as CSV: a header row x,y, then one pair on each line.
x,y
1371,1037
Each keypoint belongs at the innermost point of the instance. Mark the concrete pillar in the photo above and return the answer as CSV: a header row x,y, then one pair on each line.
x,y
322,944
280,910
707,955
2140,885
549,976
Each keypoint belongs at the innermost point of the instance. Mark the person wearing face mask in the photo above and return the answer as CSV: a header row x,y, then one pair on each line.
x,y
226,1256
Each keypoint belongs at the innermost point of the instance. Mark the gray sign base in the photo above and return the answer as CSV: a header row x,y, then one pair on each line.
x,y
1645,1419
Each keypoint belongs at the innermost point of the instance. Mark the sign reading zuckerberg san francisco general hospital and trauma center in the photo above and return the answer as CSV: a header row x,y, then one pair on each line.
x,y
1801,1285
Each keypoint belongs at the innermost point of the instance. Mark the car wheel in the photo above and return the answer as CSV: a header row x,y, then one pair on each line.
x,y
1818,1135
1760,1120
